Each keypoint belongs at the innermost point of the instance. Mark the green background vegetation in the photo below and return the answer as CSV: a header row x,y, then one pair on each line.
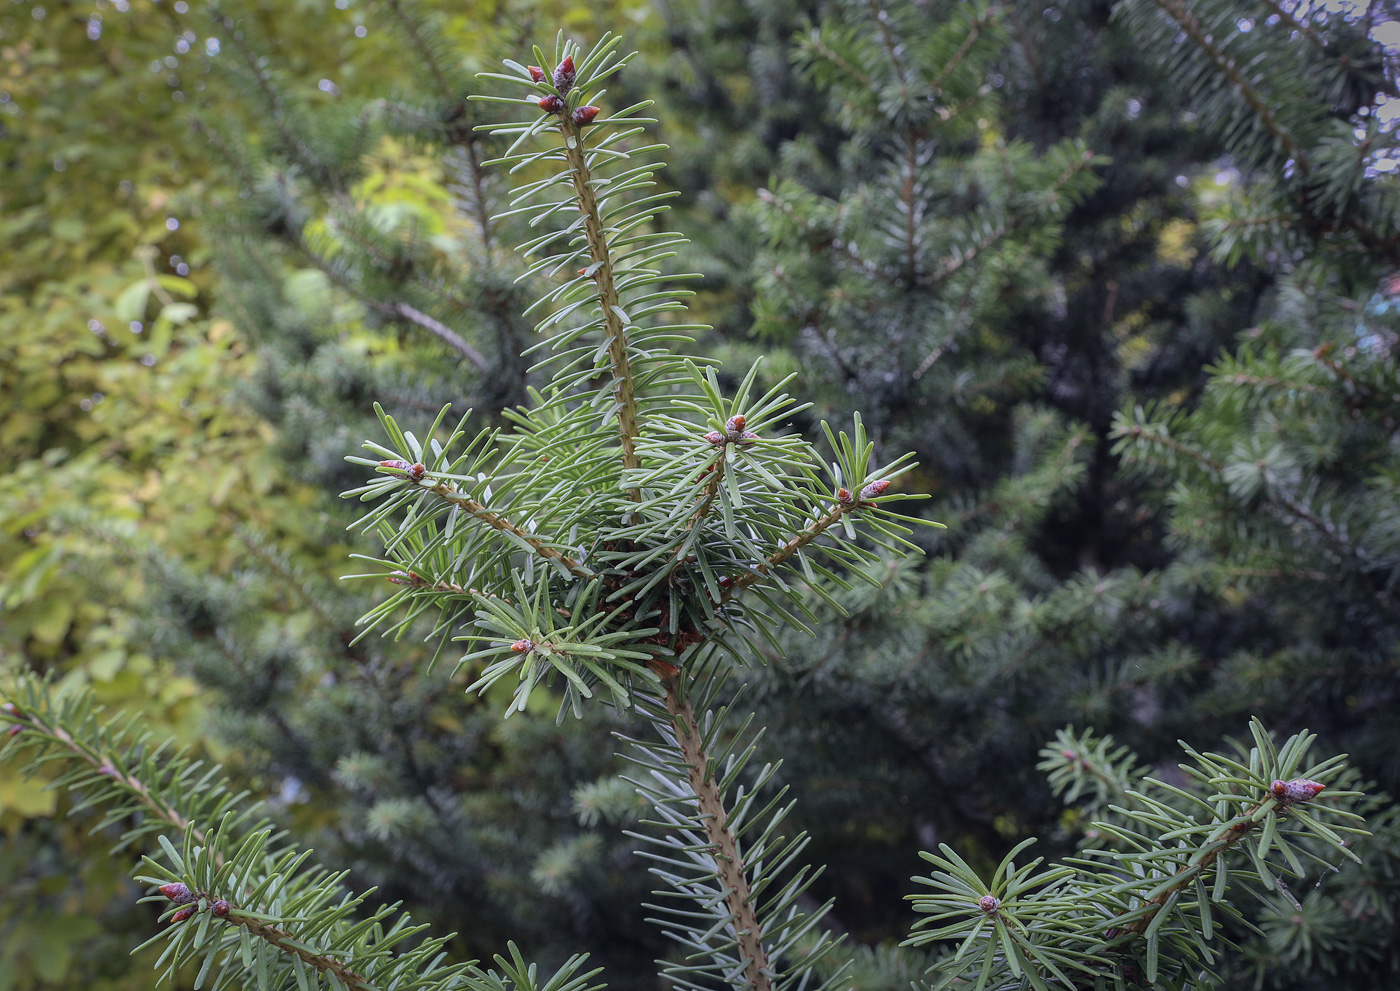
x,y
1147,362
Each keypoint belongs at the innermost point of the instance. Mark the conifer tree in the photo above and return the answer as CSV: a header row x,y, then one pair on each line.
x,y
1277,485
1049,600
631,539
351,290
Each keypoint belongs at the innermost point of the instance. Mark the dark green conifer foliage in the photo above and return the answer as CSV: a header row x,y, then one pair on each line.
x,y
1049,598
1278,487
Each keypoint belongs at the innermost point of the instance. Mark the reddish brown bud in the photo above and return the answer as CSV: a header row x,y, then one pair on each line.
x,y
875,489
735,425
844,497
536,73
564,75
400,465
182,915
715,437
220,908
584,115
523,646
399,578
989,903
551,104
177,892
13,730
1297,790
416,471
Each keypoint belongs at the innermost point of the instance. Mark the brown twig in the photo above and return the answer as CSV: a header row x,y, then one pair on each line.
x,y
724,845
608,299
498,522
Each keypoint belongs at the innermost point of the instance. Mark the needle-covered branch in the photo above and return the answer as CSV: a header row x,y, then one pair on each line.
x,y
242,905
1149,904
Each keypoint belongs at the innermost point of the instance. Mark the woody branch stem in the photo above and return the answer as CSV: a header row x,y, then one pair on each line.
x,y
498,522
798,541
32,723
608,299
723,844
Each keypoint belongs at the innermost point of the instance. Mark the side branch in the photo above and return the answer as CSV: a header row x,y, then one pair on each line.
x,y
1188,872
445,333
498,522
608,298
845,503
290,945
716,472
27,721
738,896
1186,21
23,721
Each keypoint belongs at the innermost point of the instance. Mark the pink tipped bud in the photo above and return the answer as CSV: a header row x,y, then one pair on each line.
x,y
989,903
107,771
220,908
715,437
416,471
523,646
182,915
13,730
177,892
875,489
748,437
398,578
564,75
584,115
1297,790
536,73
1069,755
8,707
551,104
400,465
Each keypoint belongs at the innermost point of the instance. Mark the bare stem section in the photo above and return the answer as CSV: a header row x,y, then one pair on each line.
x,y
287,943
728,862
613,322
498,522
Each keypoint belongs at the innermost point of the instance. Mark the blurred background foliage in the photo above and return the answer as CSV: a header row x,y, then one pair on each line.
x,y
1006,231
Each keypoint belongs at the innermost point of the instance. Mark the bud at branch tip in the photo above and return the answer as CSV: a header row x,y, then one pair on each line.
x,y
178,892
564,75
1297,790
